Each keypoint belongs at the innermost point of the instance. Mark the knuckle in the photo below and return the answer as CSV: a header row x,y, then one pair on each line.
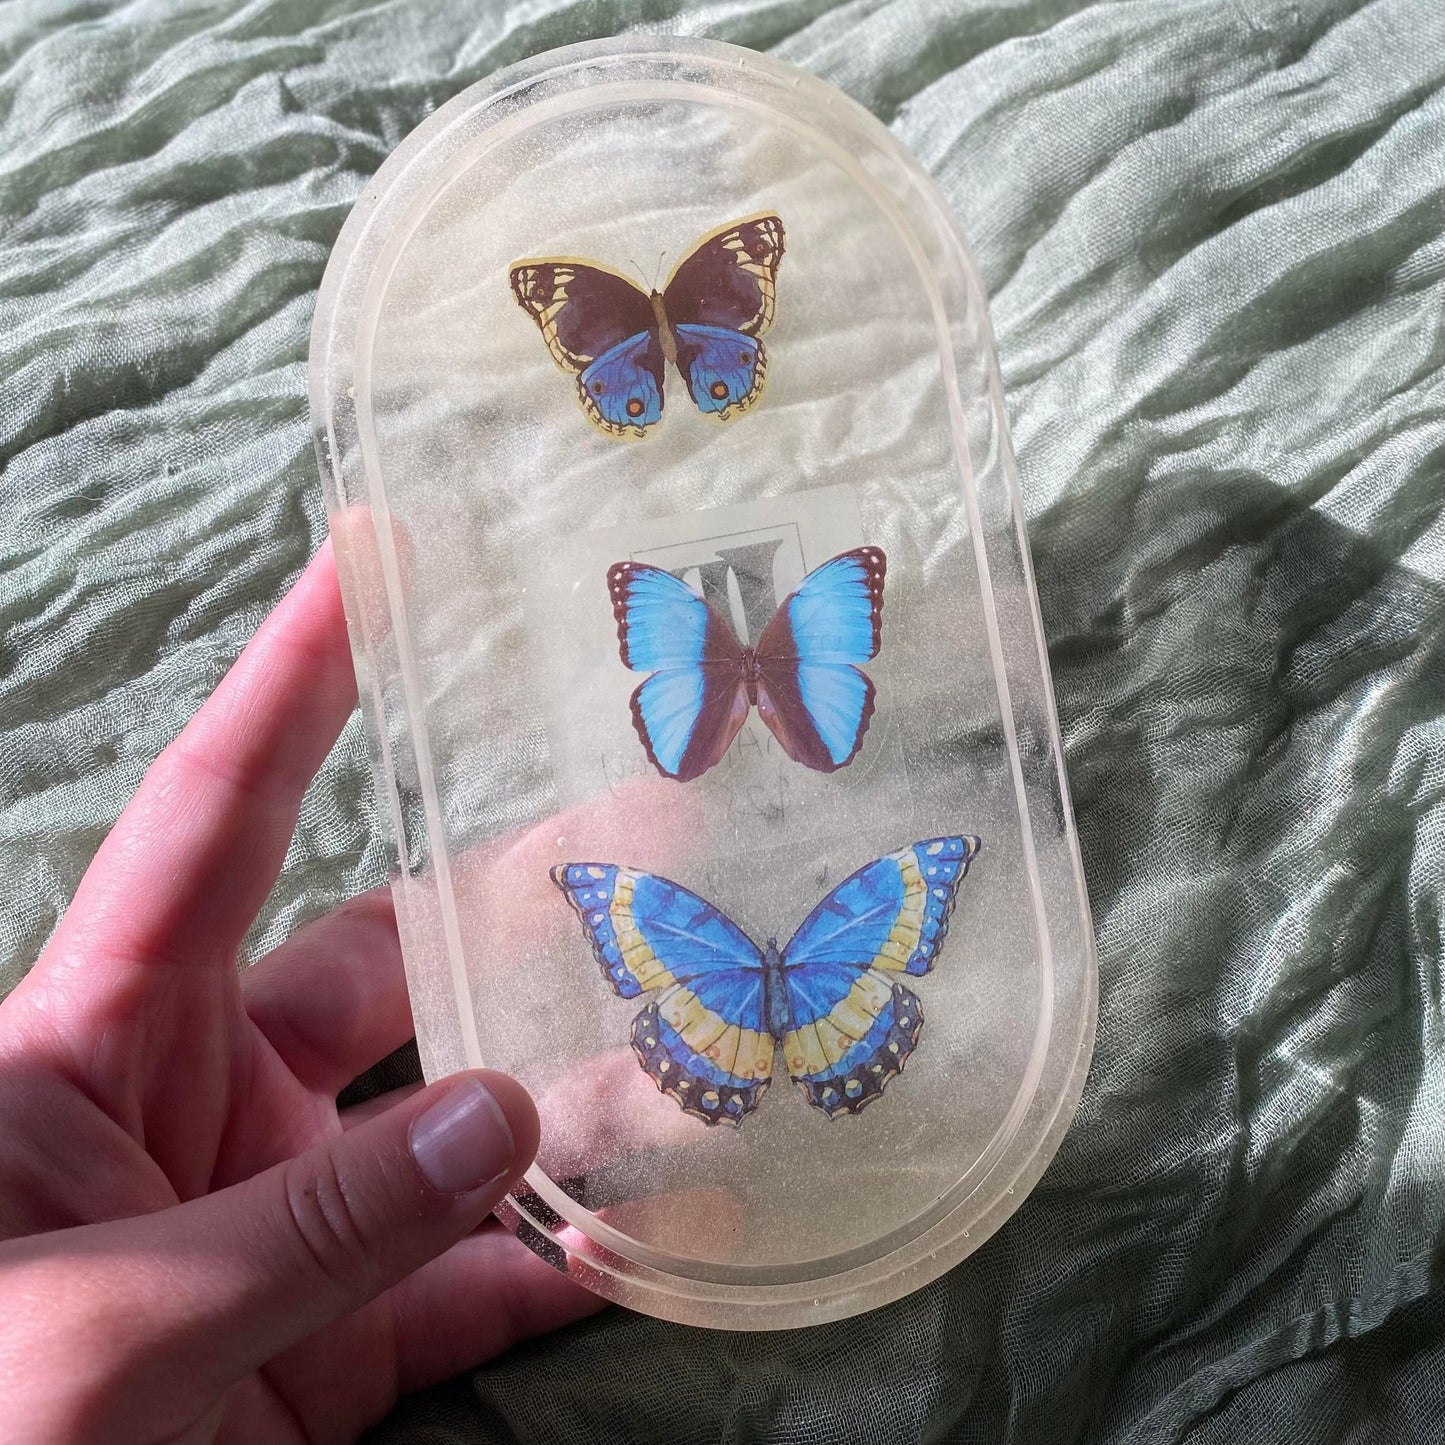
x,y
327,1226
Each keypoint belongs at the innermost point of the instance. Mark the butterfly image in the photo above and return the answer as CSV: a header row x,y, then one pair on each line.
x,y
834,1000
614,337
802,675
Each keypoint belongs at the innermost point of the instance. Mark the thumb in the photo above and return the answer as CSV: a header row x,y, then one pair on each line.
x,y
247,1272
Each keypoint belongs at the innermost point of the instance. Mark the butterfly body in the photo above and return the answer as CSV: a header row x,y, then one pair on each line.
x,y
833,1000
803,674
618,340
776,1012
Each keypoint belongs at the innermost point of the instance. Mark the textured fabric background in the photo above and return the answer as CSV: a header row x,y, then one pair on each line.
x,y
1214,235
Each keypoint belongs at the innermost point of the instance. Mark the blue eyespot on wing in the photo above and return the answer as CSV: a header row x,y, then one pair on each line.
x,y
811,692
599,327
621,391
725,371
688,712
852,1021
701,1039
718,301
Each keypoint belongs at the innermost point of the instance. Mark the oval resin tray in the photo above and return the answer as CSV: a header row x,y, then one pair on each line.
x,y
660,425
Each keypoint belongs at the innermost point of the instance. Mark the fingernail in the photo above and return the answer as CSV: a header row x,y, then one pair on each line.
x,y
463,1140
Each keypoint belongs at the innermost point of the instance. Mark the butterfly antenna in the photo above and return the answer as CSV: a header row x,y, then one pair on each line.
x,y
657,275
641,274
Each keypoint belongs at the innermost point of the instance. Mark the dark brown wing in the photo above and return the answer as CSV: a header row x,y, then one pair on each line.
x,y
730,279
582,310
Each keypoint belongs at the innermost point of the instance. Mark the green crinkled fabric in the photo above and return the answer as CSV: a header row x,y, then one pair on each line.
x,y
1214,235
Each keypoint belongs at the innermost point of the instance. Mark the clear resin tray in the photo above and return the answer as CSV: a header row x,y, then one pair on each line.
x,y
659,420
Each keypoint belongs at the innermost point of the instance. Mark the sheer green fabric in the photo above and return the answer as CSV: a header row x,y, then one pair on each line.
x,y
1214,235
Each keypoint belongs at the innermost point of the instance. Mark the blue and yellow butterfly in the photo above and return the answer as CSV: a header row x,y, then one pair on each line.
x,y
802,674
833,1000
615,338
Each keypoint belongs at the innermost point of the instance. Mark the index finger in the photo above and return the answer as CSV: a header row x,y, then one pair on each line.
x,y
192,857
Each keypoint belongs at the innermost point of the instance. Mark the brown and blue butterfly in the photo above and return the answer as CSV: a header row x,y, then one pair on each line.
x,y
616,338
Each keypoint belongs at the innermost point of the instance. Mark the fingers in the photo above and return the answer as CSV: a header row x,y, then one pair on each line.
x,y
332,999
194,854
480,1298
504,890
339,1225
180,1304
627,1116
240,1276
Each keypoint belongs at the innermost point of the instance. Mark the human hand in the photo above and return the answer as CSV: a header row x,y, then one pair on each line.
x,y
194,1244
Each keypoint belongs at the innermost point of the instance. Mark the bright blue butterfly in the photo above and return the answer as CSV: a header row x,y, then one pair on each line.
x,y
833,1000
802,675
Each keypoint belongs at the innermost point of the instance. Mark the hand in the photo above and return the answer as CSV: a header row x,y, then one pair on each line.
x,y
194,1245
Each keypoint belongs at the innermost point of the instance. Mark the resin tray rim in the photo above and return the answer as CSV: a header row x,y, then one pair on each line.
x,y
375,232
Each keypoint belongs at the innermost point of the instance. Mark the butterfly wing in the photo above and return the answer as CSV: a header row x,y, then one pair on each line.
x,y
719,300
810,690
852,1022
621,391
725,371
701,1038
601,329
729,279
689,711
